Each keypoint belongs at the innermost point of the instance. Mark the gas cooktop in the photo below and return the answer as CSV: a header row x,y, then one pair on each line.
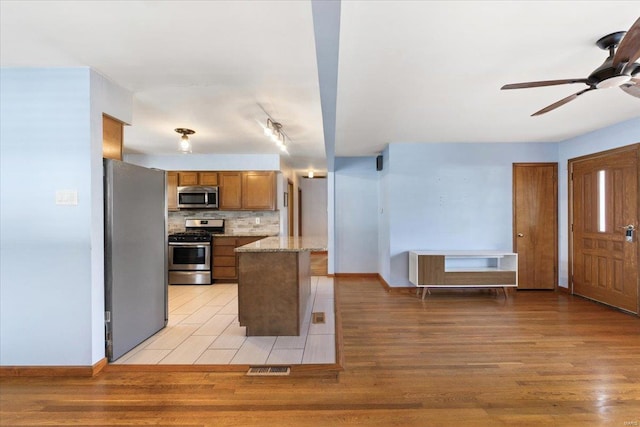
x,y
198,230
191,236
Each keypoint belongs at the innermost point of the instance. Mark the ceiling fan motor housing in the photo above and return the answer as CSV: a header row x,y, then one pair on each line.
x,y
606,75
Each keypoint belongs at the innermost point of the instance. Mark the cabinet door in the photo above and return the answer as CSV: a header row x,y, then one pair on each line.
x,y
112,131
224,258
208,178
230,195
187,178
259,190
172,191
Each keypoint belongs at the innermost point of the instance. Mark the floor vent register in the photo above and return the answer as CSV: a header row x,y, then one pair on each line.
x,y
269,371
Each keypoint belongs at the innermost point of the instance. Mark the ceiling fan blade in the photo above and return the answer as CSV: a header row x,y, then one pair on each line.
x,y
562,102
632,87
543,83
629,48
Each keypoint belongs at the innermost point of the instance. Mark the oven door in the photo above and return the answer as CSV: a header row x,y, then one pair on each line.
x,y
190,256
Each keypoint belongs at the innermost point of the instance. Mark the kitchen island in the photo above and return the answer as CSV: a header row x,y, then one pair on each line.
x,y
274,284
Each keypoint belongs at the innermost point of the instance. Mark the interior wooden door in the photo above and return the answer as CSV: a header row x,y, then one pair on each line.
x,y
604,264
290,205
299,212
535,224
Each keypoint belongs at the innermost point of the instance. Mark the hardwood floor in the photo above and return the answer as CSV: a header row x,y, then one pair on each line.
x,y
456,358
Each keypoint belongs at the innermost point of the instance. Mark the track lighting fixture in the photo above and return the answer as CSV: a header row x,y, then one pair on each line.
x,y
274,131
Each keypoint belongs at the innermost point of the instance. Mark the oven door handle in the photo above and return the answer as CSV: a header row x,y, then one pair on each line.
x,y
192,244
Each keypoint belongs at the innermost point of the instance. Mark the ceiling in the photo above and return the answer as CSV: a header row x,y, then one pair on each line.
x,y
408,71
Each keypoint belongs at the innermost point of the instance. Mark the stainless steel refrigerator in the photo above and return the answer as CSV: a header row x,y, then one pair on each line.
x,y
135,255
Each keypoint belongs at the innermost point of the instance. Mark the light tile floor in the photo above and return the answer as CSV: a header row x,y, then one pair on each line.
x,y
203,328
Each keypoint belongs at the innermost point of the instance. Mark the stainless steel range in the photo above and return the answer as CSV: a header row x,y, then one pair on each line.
x,y
190,252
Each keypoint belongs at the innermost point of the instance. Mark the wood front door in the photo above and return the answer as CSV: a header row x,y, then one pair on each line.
x,y
604,264
535,224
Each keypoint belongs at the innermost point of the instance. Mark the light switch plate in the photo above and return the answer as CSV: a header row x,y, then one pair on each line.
x,y
67,197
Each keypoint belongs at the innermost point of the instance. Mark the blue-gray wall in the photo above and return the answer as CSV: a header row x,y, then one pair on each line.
x,y
446,196
450,196
356,215
51,256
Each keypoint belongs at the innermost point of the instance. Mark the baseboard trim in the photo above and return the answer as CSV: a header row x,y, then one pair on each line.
x,y
395,289
53,371
99,366
356,275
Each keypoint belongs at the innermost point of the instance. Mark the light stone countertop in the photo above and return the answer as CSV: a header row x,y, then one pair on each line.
x,y
286,244
243,234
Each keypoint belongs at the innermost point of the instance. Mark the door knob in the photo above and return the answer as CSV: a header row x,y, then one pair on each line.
x,y
520,235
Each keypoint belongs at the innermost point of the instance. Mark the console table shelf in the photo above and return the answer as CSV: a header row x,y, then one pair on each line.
x,y
463,269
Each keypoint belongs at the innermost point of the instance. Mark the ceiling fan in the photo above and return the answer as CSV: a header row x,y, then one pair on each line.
x,y
618,70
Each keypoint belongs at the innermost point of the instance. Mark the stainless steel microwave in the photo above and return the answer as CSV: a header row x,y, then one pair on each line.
x,y
198,197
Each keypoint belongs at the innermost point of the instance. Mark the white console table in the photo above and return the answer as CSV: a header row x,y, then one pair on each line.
x,y
463,269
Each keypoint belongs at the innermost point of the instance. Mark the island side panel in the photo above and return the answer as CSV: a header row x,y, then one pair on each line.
x,y
268,293
304,285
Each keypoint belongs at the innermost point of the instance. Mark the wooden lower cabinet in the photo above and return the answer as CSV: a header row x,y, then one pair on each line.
x,y
225,259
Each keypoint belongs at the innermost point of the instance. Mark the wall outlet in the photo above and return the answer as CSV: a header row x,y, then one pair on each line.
x,y
258,220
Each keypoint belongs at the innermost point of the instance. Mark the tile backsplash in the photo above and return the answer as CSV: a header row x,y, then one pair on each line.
x,y
234,221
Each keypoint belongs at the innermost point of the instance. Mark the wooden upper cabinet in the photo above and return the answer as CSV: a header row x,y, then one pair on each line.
x,y
187,178
197,178
208,178
112,136
237,190
230,190
259,190
172,191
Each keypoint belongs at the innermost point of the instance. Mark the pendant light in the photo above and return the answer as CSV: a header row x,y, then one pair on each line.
x,y
185,143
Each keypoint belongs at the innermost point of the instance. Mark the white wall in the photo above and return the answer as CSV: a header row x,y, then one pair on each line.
x,y
449,196
356,215
384,221
331,222
314,206
619,135
51,256
207,162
